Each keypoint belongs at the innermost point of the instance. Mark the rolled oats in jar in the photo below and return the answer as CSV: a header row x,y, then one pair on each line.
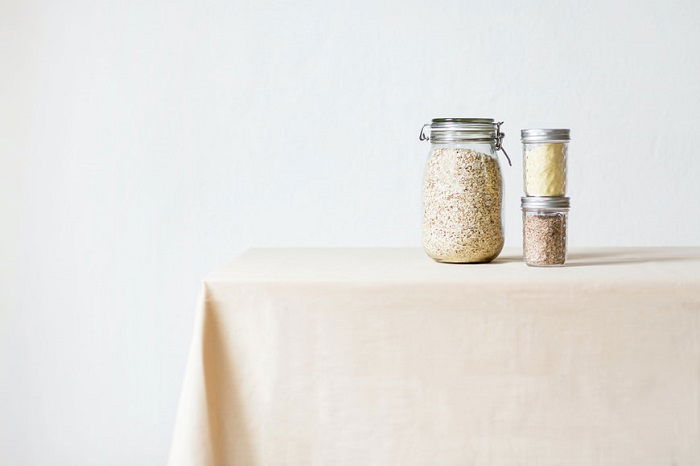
x,y
545,222
463,190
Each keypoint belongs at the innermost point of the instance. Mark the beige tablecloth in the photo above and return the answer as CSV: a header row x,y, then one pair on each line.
x,y
383,357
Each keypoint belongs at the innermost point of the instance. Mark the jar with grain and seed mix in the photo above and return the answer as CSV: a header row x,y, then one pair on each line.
x,y
544,161
544,230
463,190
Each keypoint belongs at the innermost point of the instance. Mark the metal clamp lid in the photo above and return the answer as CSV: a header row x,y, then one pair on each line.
x,y
457,130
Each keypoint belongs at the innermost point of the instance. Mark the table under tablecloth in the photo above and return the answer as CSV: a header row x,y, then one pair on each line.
x,y
384,357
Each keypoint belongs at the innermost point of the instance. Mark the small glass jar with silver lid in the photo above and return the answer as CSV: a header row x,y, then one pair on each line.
x,y
545,221
544,161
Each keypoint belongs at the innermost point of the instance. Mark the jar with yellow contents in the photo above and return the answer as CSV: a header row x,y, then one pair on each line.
x,y
544,161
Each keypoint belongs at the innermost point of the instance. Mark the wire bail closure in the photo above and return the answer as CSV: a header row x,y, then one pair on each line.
x,y
422,136
499,141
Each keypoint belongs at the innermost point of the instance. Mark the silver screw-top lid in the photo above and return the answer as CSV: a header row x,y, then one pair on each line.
x,y
544,202
544,135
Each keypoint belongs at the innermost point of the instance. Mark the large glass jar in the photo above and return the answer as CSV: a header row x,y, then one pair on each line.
x,y
463,190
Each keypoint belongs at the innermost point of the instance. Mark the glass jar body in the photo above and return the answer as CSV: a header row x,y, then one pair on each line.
x,y
462,203
544,236
544,168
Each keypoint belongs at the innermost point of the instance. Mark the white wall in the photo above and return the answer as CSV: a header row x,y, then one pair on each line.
x,y
145,143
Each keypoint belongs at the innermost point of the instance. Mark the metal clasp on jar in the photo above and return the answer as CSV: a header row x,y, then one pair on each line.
x,y
422,136
499,141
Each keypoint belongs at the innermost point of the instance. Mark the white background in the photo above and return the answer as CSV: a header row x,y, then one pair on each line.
x,y
145,143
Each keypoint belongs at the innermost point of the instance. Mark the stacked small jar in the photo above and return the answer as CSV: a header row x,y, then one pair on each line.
x,y
545,205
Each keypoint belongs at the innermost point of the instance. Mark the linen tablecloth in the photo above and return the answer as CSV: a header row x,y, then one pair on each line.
x,y
384,357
